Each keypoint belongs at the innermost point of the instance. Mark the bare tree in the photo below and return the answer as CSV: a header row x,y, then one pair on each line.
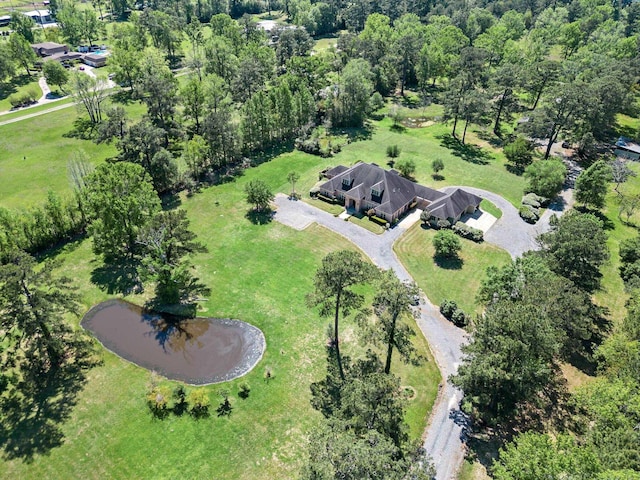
x,y
90,94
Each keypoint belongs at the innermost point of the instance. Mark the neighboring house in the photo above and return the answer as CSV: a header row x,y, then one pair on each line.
x,y
5,20
41,17
627,149
46,49
365,187
94,60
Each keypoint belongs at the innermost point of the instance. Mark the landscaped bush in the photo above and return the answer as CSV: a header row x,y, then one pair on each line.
x,y
529,214
447,308
393,151
24,98
465,231
534,200
380,221
459,318
309,145
158,401
199,403
442,224
450,310
244,390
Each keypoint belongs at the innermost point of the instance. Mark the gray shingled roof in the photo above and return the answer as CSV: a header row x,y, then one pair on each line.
x,y
453,204
396,191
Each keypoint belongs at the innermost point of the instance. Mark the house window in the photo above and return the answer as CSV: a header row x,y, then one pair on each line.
x,y
375,193
346,182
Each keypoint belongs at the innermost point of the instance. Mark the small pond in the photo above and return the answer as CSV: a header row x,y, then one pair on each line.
x,y
196,351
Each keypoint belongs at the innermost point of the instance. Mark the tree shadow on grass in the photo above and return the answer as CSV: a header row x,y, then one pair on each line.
x,y
123,97
448,263
33,411
469,153
491,139
437,177
83,129
120,276
12,87
260,217
515,169
354,134
606,223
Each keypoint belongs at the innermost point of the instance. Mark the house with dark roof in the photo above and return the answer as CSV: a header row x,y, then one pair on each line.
x,y
367,186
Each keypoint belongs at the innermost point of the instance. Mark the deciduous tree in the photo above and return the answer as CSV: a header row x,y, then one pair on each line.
x,y
121,200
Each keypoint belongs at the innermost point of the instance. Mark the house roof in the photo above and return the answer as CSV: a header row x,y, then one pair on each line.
x,y
453,204
332,172
395,192
48,45
363,179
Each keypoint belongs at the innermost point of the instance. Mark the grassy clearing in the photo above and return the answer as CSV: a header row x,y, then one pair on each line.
x,y
39,108
450,280
325,43
612,294
260,274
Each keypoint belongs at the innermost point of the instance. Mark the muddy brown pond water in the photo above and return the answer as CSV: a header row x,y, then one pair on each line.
x,y
196,351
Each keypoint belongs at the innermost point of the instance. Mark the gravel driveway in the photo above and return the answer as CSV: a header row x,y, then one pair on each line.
x,y
444,436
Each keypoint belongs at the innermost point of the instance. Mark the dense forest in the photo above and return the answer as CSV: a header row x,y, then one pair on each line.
x,y
222,94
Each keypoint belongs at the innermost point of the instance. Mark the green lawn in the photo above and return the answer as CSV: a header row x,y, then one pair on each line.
x,y
482,167
457,281
19,84
260,274
34,109
612,294
36,152
325,42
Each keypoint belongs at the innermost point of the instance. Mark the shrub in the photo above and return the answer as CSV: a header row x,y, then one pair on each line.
x,y
465,231
158,401
450,310
528,213
244,390
437,166
380,221
393,151
459,318
180,404
425,216
199,403
519,152
443,224
310,145
376,102
447,308
406,168
225,408
534,200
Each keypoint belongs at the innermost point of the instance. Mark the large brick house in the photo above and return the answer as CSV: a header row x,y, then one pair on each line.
x,y
367,186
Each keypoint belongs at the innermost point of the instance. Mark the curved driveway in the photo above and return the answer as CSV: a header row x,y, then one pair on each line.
x,y
445,434
510,232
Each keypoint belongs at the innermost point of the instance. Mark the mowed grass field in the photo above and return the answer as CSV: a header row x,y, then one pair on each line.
x,y
448,280
258,273
34,154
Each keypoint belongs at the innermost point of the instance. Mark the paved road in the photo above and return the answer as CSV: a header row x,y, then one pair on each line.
x,y
444,439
